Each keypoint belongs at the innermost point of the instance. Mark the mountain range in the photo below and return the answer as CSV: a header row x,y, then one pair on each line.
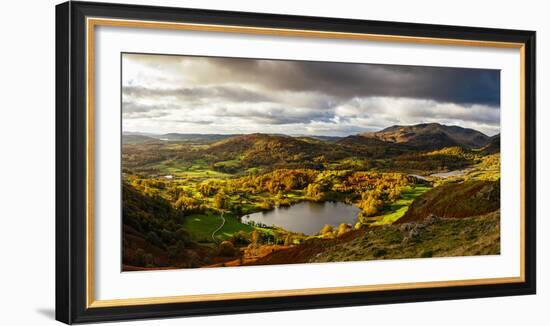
x,y
391,141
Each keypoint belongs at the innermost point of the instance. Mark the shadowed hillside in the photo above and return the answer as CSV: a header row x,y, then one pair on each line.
x,y
152,233
372,147
492,147
456,200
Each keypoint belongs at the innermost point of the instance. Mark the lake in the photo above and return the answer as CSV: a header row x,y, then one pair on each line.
x,y
455,173
443,175
306,217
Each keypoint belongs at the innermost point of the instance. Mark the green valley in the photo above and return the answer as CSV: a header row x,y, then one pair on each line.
x,y
194,200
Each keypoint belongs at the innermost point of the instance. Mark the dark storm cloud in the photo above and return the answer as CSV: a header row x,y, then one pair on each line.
x,y
345,80
231,93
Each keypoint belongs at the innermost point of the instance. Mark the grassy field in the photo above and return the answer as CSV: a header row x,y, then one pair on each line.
x,y
184,169
201,226
400,206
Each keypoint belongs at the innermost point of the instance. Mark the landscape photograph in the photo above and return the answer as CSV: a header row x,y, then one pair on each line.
x,y
244,162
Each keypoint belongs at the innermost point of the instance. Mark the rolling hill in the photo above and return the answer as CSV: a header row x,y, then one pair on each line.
x,y
263,149
372,147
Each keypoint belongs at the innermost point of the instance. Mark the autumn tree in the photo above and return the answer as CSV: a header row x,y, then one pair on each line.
x,y
343,228
327,229
314,192
370,203
187,204
220,200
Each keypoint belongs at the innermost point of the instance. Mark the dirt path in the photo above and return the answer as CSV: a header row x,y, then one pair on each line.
x,y
219,228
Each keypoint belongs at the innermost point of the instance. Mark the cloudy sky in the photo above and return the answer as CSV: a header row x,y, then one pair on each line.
x,y
187,94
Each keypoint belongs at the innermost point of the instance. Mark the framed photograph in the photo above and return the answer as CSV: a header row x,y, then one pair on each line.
x,y
212,162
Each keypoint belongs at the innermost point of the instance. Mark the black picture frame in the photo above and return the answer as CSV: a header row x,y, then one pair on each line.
x,y
71,157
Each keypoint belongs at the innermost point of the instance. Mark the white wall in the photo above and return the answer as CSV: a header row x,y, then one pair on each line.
x,y
27,161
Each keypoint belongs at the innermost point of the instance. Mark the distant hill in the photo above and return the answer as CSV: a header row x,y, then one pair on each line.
x,y
193,137
493,146
431,136
139,133
137,139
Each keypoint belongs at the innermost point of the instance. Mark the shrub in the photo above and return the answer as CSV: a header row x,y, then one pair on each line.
x,y
288,240
227,249
426,253
326,230
240,238
379,252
